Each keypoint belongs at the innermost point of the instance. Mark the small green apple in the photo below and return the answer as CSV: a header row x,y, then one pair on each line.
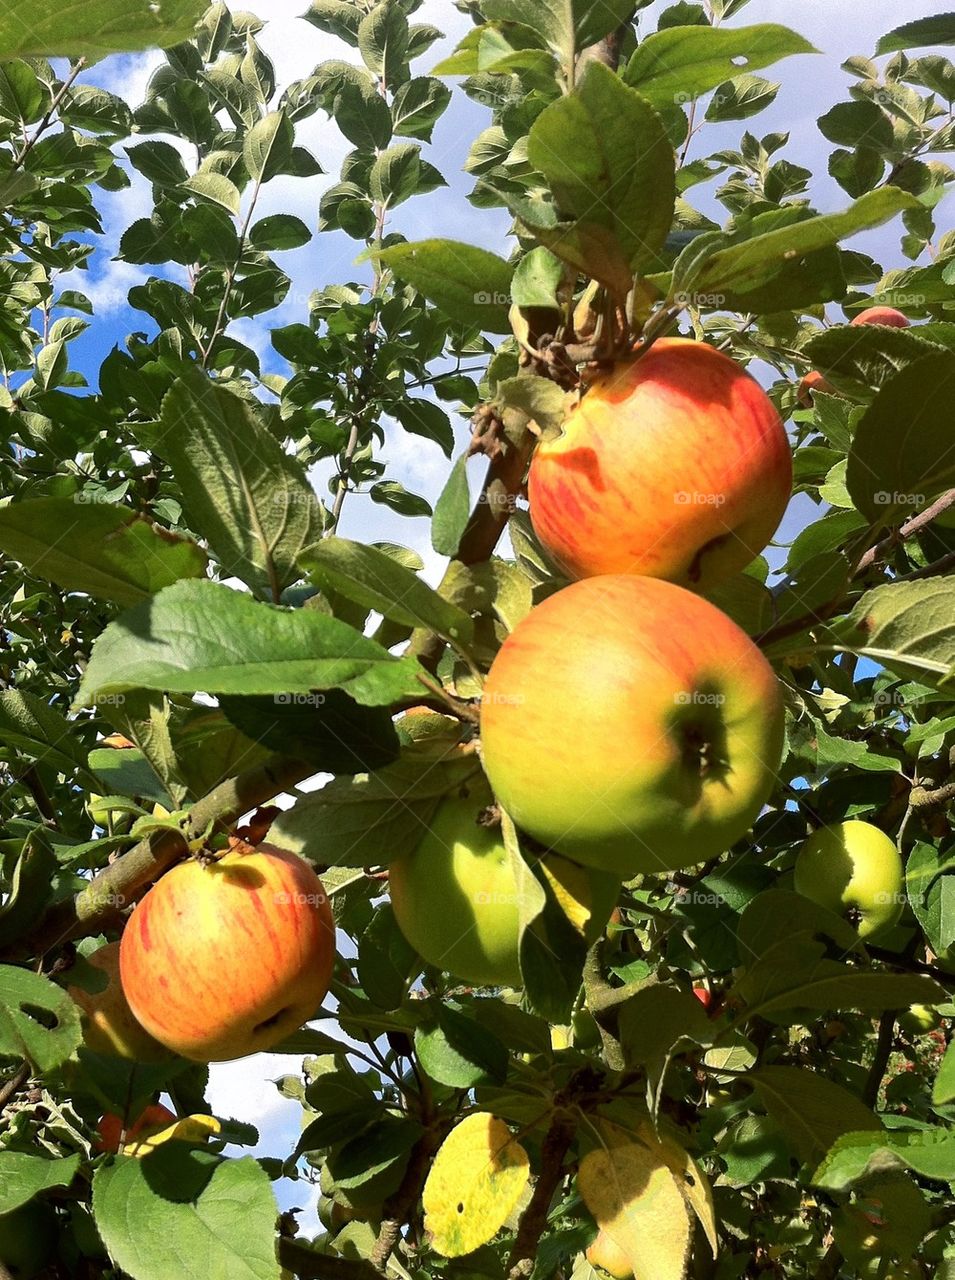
x,y
853,869
26,1239
920,1019
455,896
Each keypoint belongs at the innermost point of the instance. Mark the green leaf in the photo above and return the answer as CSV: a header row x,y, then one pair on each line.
x,y
386,961
45,1045
567,25
383,41
106,551
606,156
943,1091
393,494
455,1051
40,732
811,1110
418,105
452,510
22,97
160,162
654,1020
751,263
901,455
395,173
376,581
939,29
198,636
928,1152
31,887
537,279
469,283
240,490
336,18
908,627
216,188
23,1176
425,418
853,123
218,1216
96,27
742,97
860,359
682,63
267,147
280,231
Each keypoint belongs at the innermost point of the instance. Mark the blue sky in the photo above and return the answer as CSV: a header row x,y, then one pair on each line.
x,y
810,86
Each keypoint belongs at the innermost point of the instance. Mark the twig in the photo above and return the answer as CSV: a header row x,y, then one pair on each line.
x,y
922,798
233,271
534,1218
906,531
304,1262
883,1048
14,1084
48,118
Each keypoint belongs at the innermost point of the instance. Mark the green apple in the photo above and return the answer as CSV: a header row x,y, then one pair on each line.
x,y
632,726
455,897
26,1239
853,869
920,1019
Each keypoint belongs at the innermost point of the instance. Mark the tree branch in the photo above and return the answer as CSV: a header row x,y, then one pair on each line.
x,y
116,887
922,798
883,1048
534,1218
905,531
47,120
14,1084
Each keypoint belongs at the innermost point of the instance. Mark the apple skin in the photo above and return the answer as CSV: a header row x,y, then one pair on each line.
x,y
606,1254
811,383
676,465
600,711
886,316
27,1237
151,1120
223,960
109,1025
853,866
920,1019
455,897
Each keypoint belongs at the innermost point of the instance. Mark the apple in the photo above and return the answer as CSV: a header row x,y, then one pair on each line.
x,y
920,1019
27,1237
811,383
853,869
632,726
675,465
887,316
132,1139
109,1026
455,897
705,997
223,959
606,1254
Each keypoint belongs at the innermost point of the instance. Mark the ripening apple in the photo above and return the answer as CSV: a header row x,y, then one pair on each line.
x,y
811,383
455,896
675,465
920,1019
223,959
632,726
109,1025
853,869
886,316
27,1237
132,1139
607,1255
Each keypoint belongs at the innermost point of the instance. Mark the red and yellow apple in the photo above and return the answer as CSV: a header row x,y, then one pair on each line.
x,y
887,316
109,1025
115,1135
811,383
853,869
675,465
605,1254
223,959
632,726
455,896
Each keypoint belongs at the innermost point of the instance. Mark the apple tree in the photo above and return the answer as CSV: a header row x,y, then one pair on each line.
x,y
634,822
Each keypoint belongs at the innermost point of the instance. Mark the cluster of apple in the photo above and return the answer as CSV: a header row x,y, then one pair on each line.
x,y
627,724
814,381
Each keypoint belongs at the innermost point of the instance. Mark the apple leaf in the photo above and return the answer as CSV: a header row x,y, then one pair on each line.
x,y
606,156
40,732
475,1182
38,1020
640,1209
901,455
930,889
22,1176
377,581
928,1152
681,63
470,284
943,1091
204,637
655,1019
861,359
455,1051
452,510
567,27
214,1217
811,1110
240,489
106,551
95,28
908,627
938,29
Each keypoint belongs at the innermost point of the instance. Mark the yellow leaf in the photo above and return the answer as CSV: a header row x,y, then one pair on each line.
x,y
640,1210
586,897
187,1129
690,1178
476,1180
